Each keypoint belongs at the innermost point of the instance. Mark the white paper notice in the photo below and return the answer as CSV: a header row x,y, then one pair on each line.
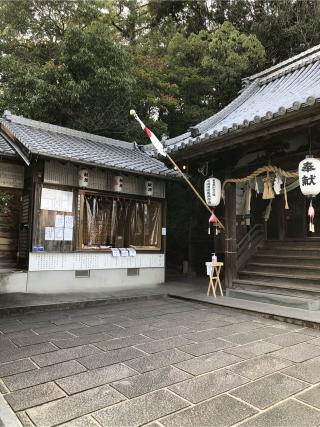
x,y
58,234
124,252
49,233
163,231
59,222
132,252
68,234
115,251
68,221
56,200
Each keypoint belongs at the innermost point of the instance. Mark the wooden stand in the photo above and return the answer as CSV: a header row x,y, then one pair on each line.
x,y
214,279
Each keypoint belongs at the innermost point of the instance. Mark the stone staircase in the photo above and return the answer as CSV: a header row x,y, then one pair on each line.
x,y
280,271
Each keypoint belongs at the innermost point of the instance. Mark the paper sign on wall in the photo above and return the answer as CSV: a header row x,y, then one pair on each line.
x,y
68,221
58,234
163,231
49,233
68,234
59,222
56,200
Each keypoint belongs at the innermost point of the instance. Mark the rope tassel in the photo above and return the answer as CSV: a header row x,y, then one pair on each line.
x,y
285,194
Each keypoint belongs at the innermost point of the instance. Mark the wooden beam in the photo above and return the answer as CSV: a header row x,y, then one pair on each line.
x,y
230,235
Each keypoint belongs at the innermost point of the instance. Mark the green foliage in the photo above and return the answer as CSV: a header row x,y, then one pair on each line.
x,y
4,200
71,73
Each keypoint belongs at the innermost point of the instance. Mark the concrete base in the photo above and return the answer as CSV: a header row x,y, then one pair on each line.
x,y
52,282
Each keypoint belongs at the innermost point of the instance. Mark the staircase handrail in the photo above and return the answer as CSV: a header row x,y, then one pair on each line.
x,y
248,244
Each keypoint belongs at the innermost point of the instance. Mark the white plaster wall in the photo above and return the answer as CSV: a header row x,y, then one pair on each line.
x,y
13,282
113,279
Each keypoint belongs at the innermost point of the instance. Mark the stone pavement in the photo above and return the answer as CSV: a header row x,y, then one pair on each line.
x,y
159,362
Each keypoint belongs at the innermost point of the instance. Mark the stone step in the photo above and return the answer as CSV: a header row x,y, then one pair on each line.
x,y
286,259
290,289
290,250
278,299
312,242
285,268
277,277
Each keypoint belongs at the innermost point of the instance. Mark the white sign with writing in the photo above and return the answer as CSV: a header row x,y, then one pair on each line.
x,y
11,175
56,200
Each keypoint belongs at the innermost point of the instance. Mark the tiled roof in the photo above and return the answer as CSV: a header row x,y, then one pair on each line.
x,y
286,87
67,144
5,149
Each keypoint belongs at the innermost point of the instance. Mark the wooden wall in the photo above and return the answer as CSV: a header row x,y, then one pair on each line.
x,y
59,173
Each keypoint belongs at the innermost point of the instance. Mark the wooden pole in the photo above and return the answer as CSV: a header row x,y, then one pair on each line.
x,y
193,188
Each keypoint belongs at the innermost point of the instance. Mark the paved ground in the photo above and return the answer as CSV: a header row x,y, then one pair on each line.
x,y
159,362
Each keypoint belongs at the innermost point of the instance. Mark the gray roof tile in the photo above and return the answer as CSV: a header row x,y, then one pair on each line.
x,y
5,149
67,144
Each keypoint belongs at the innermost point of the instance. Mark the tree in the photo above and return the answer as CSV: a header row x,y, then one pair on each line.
x,y
68,71
207,68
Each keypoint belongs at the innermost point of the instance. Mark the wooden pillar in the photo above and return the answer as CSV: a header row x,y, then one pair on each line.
x,y
230,235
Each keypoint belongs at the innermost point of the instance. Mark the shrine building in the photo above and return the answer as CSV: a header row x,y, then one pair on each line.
x,y
253,146
84,212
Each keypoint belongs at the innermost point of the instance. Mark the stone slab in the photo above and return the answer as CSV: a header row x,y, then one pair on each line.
x,y
36,339
150,381
206,347
89,330
116,343
141,410
111,357
34,396
94,378
251,350
43,375
288,414
21,353
166,333
164,344
158,360
16,367
68,408
311,397
65,355
260,366
248,337
129,332
299,352
209,385
86,339
208,362
308,371
86,421
286,340
49,329
269,390
221,411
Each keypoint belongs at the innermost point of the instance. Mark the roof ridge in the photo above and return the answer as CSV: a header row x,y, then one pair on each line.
x,y
65,131
303,58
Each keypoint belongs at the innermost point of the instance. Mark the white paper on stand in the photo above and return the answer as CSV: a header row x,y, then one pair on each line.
x,y
49,233
115,251
132,252
124,252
